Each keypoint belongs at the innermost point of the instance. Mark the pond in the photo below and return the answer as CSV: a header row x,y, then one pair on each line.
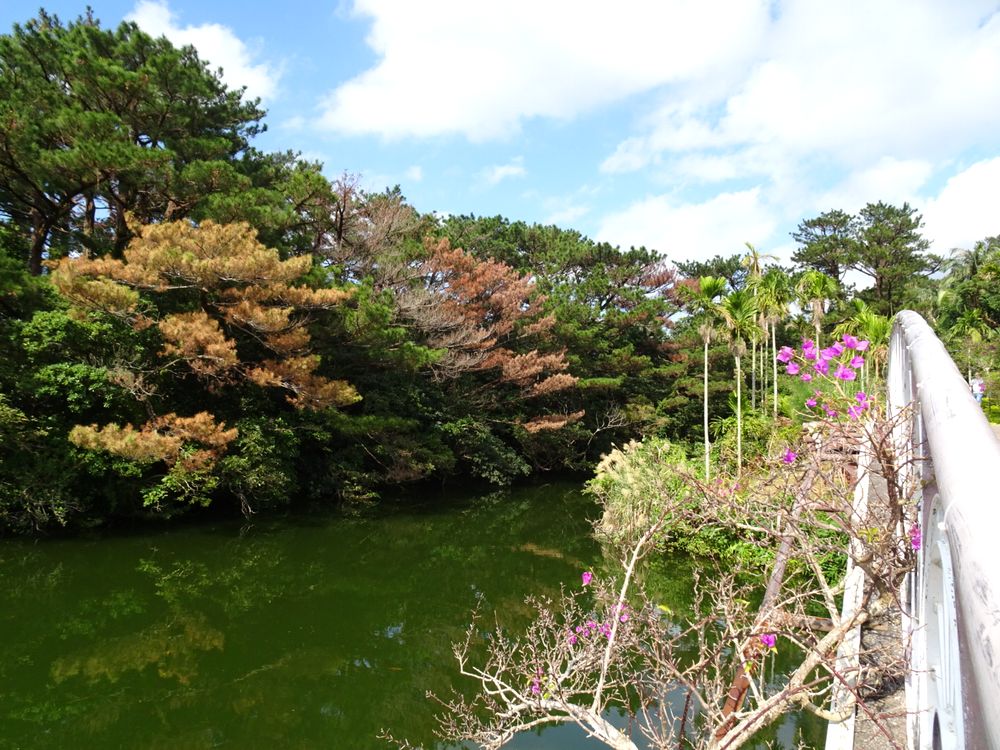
x,y
298,632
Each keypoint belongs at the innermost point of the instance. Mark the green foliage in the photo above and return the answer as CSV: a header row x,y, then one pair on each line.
x,y
642,482
114,120
260,466
488,457
638,484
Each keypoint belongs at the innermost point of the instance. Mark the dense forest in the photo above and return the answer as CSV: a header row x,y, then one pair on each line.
x,y
188,321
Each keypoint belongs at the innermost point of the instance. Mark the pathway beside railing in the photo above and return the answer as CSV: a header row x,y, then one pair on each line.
x,y
951,603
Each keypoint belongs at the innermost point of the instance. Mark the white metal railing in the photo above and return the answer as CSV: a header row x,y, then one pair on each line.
x,y
951,603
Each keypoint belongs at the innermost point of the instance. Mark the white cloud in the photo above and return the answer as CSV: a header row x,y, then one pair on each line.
x,y
564,217
966,208
850,81
890,180
692,231
499,172
216,44
480,69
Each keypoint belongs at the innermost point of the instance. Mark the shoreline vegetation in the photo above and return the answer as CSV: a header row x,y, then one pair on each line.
x,y
189,321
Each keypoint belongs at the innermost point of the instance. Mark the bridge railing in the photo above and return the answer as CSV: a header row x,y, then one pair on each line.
x,y
951,602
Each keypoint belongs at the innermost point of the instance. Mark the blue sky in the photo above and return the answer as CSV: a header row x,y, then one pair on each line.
x,y
687,126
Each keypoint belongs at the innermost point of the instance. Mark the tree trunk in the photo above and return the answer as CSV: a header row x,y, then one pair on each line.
x,y
739,418
708,446
39,235
774,362
753,374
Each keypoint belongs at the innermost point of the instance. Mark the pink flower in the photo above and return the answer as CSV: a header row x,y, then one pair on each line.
x,y
768,640
844,373
808,344
857,361
806,377
861,396
862,345
832,414
792,368
915,536
851,342
809,354
810,402
837,348
623,617
790,456
785,354
822,367
572,640
829,353
536,686
587,578
854,412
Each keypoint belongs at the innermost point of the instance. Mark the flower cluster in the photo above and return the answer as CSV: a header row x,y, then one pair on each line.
x,y
592,627
769,641
915,536
839,362
536,684
588,629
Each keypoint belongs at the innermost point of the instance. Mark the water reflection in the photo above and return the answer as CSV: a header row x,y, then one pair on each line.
x,y
299,633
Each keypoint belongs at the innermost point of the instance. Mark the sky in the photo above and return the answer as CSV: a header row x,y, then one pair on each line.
x,y
686,126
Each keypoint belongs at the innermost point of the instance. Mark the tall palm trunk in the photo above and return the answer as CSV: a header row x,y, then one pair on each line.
x,y
708,446
817,319
753,374
774,373
739,418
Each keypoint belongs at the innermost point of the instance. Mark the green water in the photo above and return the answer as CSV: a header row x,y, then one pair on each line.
x,y
291,633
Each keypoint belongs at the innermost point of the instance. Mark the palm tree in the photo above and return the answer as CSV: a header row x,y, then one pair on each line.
x,y
772,303
703,304
739,313
752,262
865,323
814,289
970,329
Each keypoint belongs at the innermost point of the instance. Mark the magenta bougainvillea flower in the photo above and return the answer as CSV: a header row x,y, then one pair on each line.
x,y
790,456
851,342
785,354
792,368
587,578
844,373
822,366
811,402
806,377
854,412
863,346
915,536
857,361
861,396
768,640
809,354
